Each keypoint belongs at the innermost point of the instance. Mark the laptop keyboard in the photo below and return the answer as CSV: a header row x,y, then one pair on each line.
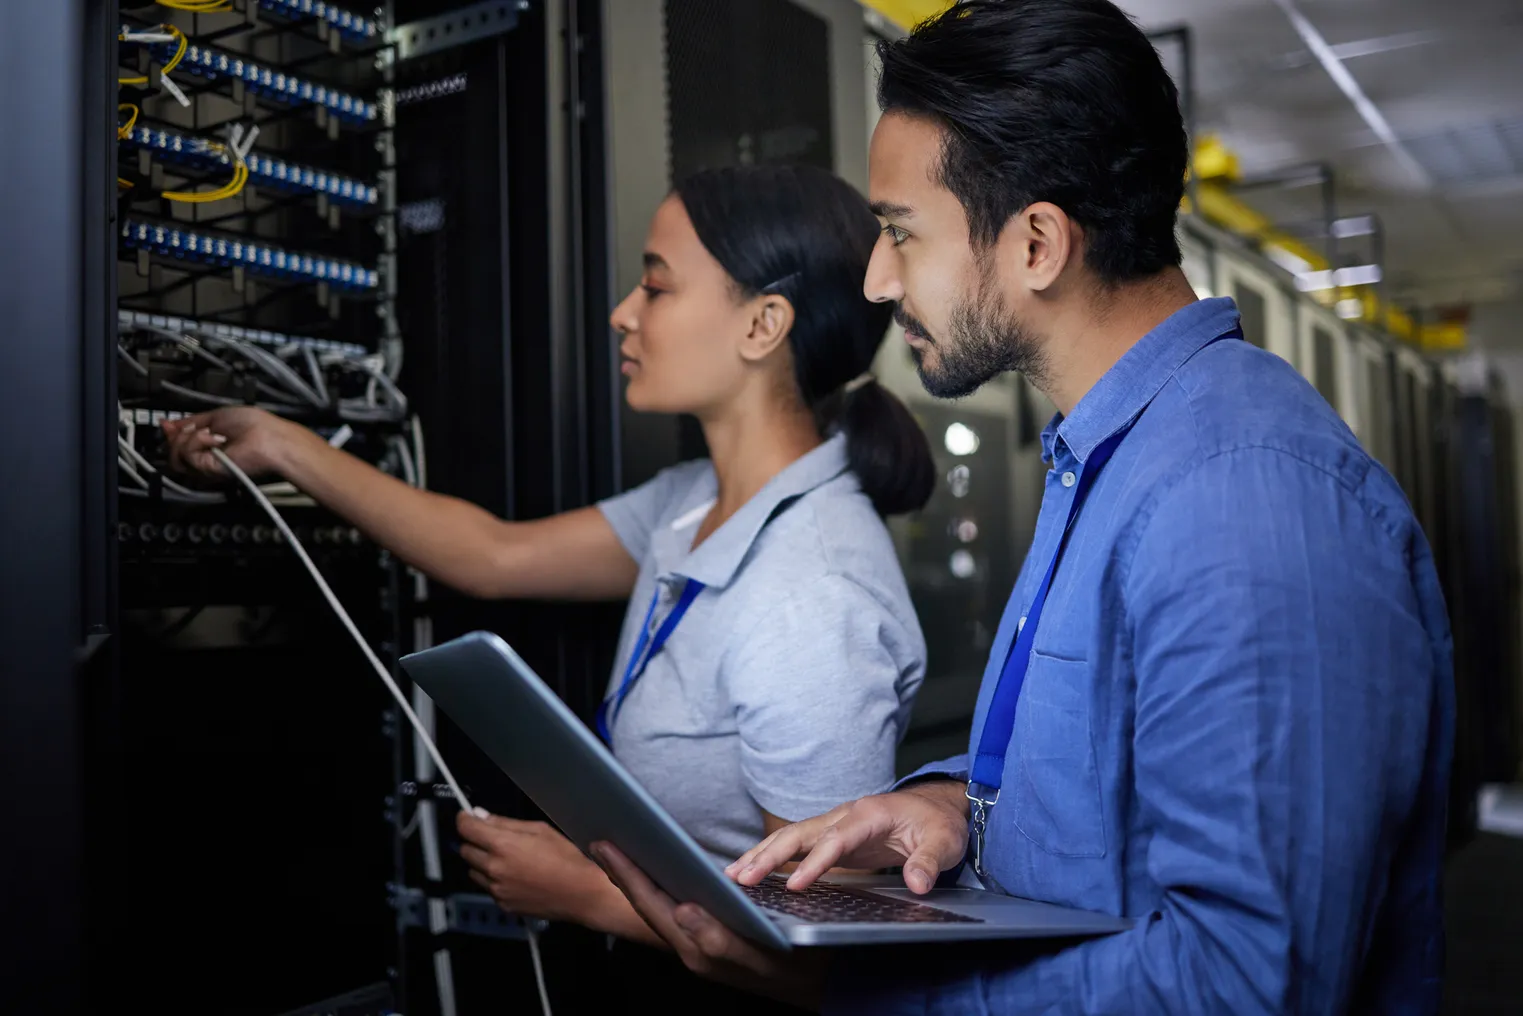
x,y
827,904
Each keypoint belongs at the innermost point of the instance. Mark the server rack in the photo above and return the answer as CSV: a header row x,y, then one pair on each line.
x,y
175,750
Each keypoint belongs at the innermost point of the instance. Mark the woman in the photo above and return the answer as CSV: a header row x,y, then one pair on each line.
x,y
784,684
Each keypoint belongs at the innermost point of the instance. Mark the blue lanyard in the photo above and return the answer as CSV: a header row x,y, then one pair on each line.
x,y
999,723
645,648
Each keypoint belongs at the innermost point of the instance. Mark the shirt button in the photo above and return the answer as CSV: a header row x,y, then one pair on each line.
x,y
1068,479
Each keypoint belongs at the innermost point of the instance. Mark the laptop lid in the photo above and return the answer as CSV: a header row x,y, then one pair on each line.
x,y
502,705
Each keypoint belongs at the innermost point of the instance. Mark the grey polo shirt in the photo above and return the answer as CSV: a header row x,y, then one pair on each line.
x,y
787,686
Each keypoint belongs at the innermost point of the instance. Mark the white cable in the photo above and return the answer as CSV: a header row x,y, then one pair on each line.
x,y
418,455
186,493
126,467
539,968
441,957
343,616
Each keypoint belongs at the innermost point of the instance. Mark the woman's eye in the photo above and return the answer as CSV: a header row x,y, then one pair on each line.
x,y
895,234
651,292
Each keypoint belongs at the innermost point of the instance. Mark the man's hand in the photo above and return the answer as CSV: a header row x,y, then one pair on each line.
x,y
707,947
924,827
529,868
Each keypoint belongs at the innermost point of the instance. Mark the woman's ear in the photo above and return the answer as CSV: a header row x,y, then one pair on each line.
x,y
771,321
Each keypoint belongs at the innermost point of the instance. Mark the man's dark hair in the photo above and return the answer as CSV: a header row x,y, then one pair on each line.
x,y
1050,100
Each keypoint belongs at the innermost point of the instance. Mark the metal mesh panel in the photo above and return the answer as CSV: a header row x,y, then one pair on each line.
x,y
748,81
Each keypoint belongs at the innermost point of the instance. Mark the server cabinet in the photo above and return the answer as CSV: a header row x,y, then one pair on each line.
x,y
215,781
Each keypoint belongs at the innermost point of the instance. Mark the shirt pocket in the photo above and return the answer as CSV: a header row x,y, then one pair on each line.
x,y
1057,802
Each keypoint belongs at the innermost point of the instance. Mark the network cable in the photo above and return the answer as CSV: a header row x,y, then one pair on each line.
x,y
348,623
420,731
124,131
264,170
174,35
273,83
355,27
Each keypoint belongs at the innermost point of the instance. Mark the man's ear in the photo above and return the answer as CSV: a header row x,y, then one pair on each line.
x,y
1037,244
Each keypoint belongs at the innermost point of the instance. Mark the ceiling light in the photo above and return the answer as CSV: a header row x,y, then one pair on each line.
x,y
1349,309
1357,225
1285,259
961,439
1354,275
1372,116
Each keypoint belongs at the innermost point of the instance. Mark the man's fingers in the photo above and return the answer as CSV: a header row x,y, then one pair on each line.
x,y
745,860
785,845
480,879
834,843
921,870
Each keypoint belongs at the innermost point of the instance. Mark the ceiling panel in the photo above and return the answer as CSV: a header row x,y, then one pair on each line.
x,y
1446,74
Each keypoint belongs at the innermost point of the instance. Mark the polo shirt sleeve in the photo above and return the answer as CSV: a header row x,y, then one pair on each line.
x,y
636,513
821,687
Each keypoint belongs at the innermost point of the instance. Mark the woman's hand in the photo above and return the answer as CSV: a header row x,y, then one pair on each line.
x,y
254,439
711,950
529,868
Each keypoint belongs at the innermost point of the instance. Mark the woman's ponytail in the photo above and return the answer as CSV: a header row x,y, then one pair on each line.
x,y
886,448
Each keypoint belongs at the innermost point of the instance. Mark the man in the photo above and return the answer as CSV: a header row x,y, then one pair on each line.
x,y
1224,707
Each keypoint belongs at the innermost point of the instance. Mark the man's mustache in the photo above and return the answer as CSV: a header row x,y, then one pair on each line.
x,y
910,323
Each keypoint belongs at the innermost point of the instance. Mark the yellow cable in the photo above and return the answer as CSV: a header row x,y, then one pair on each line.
x,y
230,189
125,130
197,6
174,61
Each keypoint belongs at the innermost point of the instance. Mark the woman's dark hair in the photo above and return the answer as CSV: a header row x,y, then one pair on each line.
x,y
1050,100
807,235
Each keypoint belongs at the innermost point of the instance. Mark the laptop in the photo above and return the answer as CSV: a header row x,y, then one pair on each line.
x,y
502,705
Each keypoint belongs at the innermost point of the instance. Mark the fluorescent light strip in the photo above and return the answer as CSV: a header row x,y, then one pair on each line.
x,y
203,248
1350,88
264,170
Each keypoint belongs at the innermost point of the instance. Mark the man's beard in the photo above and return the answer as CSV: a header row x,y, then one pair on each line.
x,y
984,340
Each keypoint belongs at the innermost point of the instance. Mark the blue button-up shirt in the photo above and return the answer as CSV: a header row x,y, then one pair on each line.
x,y
1237,722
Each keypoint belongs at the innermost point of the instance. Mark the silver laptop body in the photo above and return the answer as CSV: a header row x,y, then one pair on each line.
x,y
502,705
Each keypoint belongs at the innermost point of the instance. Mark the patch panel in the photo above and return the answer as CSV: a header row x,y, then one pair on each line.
x,y
223,251
351,26
272,83
127,319
264,170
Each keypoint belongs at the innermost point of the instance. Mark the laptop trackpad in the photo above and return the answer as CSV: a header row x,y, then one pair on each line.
x,y
962,899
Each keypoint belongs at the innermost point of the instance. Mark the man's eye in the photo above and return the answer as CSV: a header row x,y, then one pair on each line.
x,y
895,234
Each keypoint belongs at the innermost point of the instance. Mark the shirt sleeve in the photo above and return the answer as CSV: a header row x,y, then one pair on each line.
x,y
636,513
1288,701
954,768
821,690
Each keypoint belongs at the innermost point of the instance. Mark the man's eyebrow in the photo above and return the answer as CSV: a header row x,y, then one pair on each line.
x,y
889,210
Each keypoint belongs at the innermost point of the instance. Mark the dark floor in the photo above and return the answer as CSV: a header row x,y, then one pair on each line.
x,y
1485,928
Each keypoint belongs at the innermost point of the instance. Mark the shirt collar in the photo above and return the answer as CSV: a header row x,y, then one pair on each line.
x,y
719,557
1126,389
